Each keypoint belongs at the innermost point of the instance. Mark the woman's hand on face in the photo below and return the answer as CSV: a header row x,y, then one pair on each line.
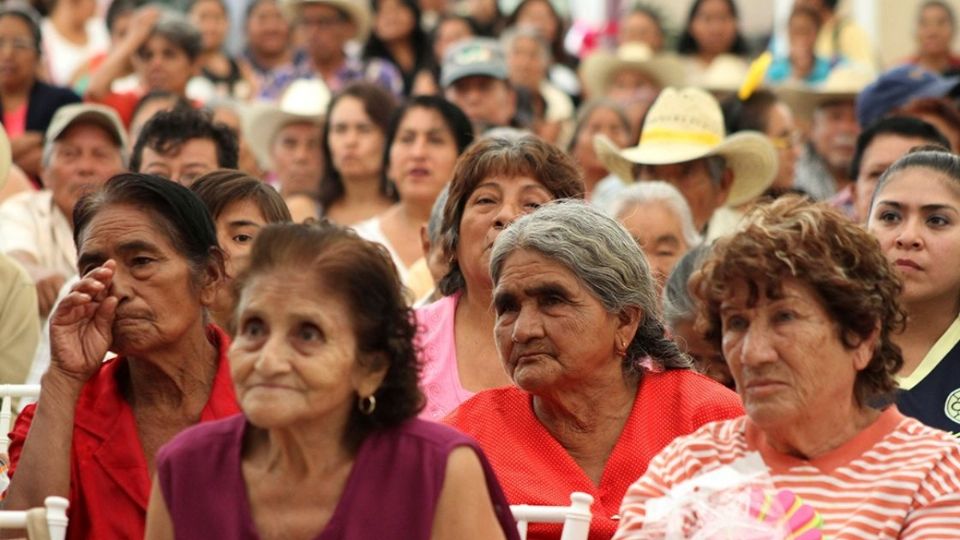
x,y
81,327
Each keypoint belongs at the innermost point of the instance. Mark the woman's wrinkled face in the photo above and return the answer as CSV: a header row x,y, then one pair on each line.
x,y
493,205
934,30
768,342
268,32
394,21
294,360
916,218
160,301
422,156
552,333
356,143
601,121
659,232
714,27
18,53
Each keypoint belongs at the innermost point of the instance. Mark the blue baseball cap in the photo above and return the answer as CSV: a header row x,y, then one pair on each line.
x,y
897,87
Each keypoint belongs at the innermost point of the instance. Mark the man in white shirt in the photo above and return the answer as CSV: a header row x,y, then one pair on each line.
x,y
85,145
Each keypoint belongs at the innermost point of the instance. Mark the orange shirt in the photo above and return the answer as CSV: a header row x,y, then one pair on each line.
x,y
109,481
534,468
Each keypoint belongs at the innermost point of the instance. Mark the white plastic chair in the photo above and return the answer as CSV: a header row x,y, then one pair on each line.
x,y
8,392
575,518
55,519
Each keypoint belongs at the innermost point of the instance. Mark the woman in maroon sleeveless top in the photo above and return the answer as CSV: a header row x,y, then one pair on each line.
x,y
328,445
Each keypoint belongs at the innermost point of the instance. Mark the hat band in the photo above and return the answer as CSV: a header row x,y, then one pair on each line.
x,y
662,135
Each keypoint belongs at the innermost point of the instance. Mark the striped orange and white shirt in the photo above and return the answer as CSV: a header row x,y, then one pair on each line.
x,y
895,479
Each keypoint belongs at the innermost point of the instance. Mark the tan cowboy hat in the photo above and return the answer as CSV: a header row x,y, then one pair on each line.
x,y
843,83
687,124
357,10
6,157
725,74
304,101
598,69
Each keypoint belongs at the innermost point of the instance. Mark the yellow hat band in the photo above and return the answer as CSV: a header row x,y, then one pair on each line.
x,y
661,135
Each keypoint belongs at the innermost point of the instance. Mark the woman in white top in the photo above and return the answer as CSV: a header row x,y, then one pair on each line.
x,y
424,140
72,35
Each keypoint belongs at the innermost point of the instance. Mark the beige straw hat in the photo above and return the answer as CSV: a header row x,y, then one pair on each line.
x,y
843,83
357,10
598,69
304,101
687,124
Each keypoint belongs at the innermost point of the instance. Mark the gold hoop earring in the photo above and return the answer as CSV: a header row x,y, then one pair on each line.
x,y
367,404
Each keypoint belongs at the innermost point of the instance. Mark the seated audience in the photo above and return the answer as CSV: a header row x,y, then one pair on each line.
x,y
450,29
27,104
878,147
684,143
183,144
940,113
712,34
642,23
543,17
598,389
240,206
680,314
354,185
549,109
609,118
474,77
398,37
841,39
220,75
936,26
73,32
328,428
165,49
495,181
424,140
804,306
659,219
763,111
268,50
84,146
801,65
151,266
915,215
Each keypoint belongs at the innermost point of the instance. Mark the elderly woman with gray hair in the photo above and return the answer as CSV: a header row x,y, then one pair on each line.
x,y
599,389
659,219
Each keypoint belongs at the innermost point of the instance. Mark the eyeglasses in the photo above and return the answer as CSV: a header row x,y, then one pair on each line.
x,y
17,44
788,141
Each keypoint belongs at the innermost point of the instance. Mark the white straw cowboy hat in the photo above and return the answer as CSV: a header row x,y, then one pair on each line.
x,y
304,101
598,69
687,124
843,83
357,10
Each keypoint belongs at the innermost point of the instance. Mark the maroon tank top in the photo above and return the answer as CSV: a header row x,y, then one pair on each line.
x,y
391,492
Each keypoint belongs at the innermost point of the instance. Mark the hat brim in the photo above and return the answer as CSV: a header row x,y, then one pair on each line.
x,y
261,123
598,69
804,101
749,155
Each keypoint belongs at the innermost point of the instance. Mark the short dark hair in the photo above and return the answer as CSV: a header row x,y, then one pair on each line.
x,y
524,155
220,188
902,126
752,113
177,29
379,105
158,95
362,274
168,130
838,259
688,45
179,212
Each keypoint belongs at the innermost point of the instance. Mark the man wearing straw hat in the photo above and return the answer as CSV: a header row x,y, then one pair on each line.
x,y
684,143
19,324
823,169
325,27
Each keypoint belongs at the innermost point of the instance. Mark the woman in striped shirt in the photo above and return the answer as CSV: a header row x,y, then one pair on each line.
x,y
803,303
